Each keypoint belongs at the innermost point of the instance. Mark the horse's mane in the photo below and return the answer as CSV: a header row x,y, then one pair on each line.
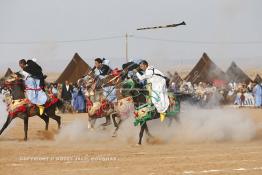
x,y
16,76
138,92
17,86
19,75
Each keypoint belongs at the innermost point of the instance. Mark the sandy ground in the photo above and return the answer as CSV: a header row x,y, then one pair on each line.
x,y
46,153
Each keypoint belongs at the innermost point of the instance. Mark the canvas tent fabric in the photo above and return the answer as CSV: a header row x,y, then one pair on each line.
x,y
174,77
234,73
258,79
205,71
8,72
76,69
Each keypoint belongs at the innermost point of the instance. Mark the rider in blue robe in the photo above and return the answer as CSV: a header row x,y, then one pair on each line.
x,y
34,82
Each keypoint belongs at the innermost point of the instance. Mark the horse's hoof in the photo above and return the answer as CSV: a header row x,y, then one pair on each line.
x,y
138,144
114,135
106,124
89,126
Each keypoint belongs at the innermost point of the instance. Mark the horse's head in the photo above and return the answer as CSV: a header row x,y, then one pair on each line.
x,y
14,82
2,82
132,88
86,81
13,77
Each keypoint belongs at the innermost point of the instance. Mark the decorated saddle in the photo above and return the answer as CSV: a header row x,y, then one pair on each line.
x,y
146,111
125,107
99,108
17,106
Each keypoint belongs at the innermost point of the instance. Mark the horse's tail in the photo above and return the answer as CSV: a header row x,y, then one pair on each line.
x,y
59,104
55,103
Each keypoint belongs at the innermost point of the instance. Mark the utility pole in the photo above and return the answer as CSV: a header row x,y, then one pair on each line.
x,y
126,38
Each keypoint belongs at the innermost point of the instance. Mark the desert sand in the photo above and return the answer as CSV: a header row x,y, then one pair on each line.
x,y
74,150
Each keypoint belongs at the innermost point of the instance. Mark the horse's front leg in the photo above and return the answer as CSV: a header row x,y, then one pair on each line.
x,y
170,121
91,123
25,126
147,131
141,133
89,126
117,128
46,120
108,121
114,116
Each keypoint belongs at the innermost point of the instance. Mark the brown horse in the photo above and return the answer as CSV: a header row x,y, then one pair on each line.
x,y
97,105
26,110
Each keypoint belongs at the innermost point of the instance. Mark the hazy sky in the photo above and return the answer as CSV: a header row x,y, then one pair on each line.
x,y
226,29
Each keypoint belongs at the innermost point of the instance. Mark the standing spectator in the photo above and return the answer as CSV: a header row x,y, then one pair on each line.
x,y
257,91
78,100
242,98
67,90
250,87
59,89
54,90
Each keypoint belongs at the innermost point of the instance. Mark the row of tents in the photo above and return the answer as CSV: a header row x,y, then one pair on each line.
x,y
207,71
204,71
76,69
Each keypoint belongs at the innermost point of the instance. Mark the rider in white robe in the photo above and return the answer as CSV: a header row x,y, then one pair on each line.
x,y
159,90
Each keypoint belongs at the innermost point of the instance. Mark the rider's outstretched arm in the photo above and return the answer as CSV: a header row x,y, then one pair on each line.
x,y
148,74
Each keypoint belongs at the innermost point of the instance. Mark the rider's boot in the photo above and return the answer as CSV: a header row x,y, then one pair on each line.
x,y
162,116
41,109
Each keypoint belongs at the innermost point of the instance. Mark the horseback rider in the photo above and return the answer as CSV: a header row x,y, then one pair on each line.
x,y
159,96
34,82
101,70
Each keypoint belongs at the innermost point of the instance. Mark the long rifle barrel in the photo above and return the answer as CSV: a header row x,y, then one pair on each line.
x,y
159,27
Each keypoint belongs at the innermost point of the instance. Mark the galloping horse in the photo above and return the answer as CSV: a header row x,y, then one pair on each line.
x,y
130,88
97,104
144,109
24,109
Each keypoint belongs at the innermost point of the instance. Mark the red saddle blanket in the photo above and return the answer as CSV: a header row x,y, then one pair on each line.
x,y
18,106
52,100
102,106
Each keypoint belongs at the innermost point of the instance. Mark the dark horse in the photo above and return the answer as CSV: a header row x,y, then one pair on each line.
x,y
140,96
16,85
131,87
